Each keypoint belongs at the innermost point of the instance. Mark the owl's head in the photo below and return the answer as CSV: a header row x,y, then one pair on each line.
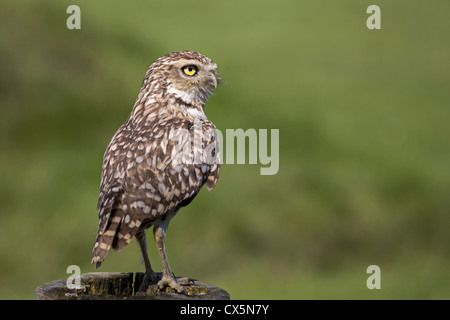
x,y
188,75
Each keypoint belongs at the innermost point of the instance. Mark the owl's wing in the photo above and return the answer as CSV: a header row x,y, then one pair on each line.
x,y
175,160
153,170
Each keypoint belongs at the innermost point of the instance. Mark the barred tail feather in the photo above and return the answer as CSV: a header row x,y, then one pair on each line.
x,y
105,239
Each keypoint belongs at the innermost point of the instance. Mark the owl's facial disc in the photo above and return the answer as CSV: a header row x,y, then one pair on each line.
x,y
199,75
192,81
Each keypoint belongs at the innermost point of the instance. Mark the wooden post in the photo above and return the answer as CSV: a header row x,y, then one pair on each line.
x,y
116,285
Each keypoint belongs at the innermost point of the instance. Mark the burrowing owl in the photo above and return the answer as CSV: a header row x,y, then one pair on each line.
x,y
159,159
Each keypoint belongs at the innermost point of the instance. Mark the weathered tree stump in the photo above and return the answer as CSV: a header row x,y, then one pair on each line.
x,y
116,285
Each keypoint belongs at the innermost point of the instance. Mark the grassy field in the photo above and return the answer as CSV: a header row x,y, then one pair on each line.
x,y
363,118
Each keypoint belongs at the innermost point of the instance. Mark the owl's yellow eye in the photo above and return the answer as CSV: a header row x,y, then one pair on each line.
x,y
190,70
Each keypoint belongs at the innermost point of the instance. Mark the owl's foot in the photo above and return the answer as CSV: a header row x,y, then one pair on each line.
x,y
169,281
152,278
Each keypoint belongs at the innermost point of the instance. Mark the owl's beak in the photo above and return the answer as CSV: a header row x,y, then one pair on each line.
x,y
212,80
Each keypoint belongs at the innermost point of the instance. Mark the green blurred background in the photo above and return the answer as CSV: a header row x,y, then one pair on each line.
x,y
363,115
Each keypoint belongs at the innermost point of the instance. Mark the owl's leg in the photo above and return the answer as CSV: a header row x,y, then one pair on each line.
x,y
167,278
150,275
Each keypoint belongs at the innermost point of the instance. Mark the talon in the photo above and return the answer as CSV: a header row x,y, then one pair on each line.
x,y
172,283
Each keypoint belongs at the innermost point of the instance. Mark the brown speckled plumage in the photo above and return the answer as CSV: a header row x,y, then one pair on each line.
x,y
159,159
